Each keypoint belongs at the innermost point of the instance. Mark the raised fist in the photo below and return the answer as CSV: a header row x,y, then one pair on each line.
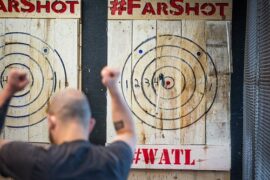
x,y
17,80
109,77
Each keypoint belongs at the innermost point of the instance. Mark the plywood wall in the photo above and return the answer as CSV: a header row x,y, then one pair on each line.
x,y
144,49
48,50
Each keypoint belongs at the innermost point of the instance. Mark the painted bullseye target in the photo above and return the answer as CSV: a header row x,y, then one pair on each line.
x,y
45,70
169,79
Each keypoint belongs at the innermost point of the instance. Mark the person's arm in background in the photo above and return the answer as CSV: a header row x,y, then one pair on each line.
x,y
121,115
17,81
5,97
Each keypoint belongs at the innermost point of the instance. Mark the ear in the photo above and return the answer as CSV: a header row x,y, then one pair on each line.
x,y
92,124
51,121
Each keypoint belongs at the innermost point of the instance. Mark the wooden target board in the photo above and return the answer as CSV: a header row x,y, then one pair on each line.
x,y
48,50
176,81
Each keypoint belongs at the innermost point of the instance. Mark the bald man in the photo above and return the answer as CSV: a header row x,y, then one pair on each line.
x,y
70,122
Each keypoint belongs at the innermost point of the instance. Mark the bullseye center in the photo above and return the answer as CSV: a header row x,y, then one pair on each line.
x,y
168,82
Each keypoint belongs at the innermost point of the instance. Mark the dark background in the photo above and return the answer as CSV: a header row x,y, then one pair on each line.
x,y
238,53
94,57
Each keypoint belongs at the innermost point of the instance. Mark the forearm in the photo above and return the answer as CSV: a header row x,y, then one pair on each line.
x,y
121,115
5,97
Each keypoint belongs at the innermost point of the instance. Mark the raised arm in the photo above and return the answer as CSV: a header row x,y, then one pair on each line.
x,y
121,115
17,80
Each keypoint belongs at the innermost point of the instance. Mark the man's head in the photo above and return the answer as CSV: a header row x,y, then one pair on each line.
x,y
69,111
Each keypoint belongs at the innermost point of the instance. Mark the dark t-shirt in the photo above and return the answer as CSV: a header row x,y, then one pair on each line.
x,y
74,160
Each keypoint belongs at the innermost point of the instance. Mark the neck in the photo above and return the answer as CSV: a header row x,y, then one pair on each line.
x,y
72,132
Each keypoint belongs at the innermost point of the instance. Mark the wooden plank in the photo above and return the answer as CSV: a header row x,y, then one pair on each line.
x,y
119,48
170,10
218,118
2,32
143,55
80,56
42,29
66,33
11,26
20,134
139,174
39,132
195,133
183,157
218,37
169,68
58,32
41,9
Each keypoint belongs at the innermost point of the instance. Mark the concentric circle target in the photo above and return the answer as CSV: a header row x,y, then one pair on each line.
x,y
45,70
169,80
